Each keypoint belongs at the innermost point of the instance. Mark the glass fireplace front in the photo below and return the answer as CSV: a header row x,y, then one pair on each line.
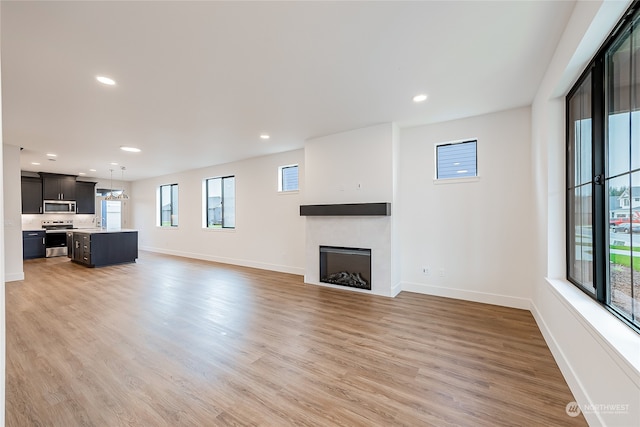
x,y
346,266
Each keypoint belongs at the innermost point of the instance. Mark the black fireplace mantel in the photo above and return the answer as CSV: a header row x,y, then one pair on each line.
x,y
347,209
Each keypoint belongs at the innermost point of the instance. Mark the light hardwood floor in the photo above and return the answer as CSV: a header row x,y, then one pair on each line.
x,y
170,341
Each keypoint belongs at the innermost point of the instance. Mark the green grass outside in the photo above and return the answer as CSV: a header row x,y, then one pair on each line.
x,y
625,248
625,260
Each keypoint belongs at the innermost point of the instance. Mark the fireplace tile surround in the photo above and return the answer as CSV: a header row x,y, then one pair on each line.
x,y
373,232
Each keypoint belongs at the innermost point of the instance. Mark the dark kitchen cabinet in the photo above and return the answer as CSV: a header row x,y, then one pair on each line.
x,y
81,248
85,197
33,244
69,244
31,195
58,187
99,249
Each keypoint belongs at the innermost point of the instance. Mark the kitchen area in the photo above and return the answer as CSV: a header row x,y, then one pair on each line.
x,y
63,216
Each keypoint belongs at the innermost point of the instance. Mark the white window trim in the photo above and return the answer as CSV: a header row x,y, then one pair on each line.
x,y
204,205
456,180
159,214
219,230
437,180
280,168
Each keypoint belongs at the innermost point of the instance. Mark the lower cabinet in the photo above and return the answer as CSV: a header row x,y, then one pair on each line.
x,y
33,244
101,249
82,248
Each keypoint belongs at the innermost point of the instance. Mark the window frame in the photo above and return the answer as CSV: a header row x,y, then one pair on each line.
x,y
160,204
281,180
207,182
464,178
600,209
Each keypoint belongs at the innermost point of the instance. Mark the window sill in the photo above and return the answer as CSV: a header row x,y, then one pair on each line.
x,y
160,227
289,192
219,230
456,180
613,334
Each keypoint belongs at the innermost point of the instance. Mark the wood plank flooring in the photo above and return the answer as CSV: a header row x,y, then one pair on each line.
x,y
170,341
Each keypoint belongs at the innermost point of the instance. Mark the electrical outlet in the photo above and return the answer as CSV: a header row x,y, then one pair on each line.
x,y
426,271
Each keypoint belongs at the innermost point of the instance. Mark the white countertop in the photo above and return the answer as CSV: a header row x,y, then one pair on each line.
x,y
103,230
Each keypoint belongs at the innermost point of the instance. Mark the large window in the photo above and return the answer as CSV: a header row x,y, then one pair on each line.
x,y
603,175
221,202
169,205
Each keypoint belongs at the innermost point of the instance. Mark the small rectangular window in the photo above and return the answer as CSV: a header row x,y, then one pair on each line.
x,y
221,202
288,178
456,160
169,205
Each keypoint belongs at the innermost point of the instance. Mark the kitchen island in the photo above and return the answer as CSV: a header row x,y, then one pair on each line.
x,y
102,247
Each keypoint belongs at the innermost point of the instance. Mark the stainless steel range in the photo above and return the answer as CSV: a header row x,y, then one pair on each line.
x,y
56,236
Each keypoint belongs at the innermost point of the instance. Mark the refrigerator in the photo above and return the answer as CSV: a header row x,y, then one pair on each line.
x,y
111,214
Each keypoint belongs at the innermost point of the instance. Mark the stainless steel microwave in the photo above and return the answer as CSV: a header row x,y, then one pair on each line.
x,y
59,206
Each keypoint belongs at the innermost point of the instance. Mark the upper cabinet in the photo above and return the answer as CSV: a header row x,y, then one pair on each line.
x,y
58,187
31,195
85,197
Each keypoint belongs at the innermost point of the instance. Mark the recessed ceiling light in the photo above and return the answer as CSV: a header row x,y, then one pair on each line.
x,y
81,173
51,155
92,170
130,149
264,136
106,80
114,163
35,163
420,98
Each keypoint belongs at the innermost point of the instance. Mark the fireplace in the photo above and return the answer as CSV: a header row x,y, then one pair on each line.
x,y
346,266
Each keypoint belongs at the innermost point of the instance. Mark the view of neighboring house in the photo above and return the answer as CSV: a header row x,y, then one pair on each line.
x,y
626,205
626,200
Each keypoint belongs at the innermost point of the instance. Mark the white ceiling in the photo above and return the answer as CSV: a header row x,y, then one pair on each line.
x,y
198,82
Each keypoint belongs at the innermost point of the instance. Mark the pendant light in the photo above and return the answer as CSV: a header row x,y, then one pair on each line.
x,y
111,196
122,196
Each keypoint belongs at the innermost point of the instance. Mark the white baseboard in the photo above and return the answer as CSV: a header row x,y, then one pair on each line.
x,y
14,277
463,294
224,260
395,290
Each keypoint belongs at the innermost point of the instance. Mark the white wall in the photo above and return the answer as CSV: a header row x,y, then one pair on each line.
x,y
350,167
269,231
597,354
396,241
473,235
3,335
12,211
